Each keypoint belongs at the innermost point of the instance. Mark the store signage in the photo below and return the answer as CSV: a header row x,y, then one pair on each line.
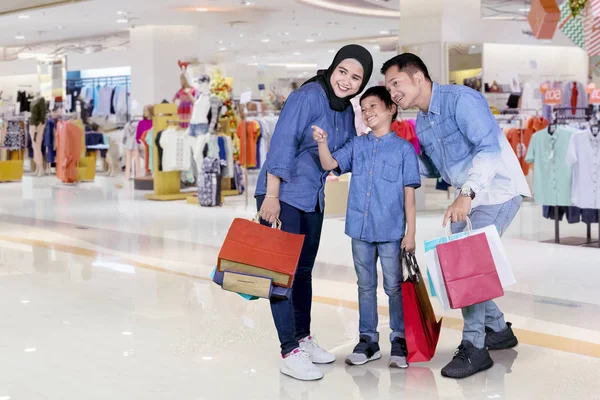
x,y
544,87
595,96
590,88
553,96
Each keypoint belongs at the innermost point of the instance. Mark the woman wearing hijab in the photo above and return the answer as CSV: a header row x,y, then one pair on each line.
x,y
291,188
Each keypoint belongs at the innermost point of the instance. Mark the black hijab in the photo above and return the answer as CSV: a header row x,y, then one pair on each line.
x,y
323,76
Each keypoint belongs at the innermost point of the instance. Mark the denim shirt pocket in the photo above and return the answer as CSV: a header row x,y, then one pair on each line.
x,y
390,171
455,144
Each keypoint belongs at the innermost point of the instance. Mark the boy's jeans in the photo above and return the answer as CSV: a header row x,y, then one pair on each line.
x,y
365,262
488,314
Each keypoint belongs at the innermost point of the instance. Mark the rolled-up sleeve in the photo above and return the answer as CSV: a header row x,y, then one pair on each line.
x,y
343,156
410,168
293,121
477,123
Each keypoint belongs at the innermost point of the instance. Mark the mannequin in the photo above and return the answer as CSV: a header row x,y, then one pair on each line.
x,y
185,97
36,131
200,114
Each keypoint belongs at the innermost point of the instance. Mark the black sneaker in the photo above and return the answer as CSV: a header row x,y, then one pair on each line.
x,y
366,350
468,360
399,354
500,340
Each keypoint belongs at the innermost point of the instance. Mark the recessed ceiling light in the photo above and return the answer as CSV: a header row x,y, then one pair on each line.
x,y
524,9
126,333
220,42
202,9
297,53
122,20
254,56
19,37
222,48
241,35
384,32
121,13
310,40
23,16
265,40
247,3
60,27
30,350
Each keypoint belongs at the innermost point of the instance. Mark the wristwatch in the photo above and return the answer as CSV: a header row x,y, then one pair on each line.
x,y
466,191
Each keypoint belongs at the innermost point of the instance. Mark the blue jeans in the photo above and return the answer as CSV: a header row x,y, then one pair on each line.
x,y
365,262
196,130
488,314
292,317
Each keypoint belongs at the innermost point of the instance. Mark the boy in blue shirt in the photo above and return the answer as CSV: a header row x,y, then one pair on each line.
x,y
380,219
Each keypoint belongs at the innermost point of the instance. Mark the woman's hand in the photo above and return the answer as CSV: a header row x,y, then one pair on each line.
x,y
319,134
270,210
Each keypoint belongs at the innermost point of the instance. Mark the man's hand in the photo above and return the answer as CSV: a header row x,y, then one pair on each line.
x,y
408,243
319,134
458,211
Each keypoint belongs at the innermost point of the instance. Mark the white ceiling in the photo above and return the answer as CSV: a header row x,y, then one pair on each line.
x,y
289,25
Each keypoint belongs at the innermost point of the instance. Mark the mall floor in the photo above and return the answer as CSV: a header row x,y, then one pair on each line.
x,y
105,295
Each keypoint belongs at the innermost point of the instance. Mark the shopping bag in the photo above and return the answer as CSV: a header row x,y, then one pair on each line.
x,y
420,325
277,292
591,28
254,249
218,277
469,271
436,280
543,18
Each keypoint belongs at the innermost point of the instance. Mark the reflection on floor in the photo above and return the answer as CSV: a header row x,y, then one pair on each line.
x,y
105,295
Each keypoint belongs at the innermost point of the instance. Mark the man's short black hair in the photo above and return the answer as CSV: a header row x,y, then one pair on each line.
x,y
407,62
383,95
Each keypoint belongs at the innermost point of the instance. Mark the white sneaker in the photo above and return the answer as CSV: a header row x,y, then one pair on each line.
x,y
298,365
317,354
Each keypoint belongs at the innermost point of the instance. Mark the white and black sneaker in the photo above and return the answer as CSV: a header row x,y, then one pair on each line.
x,y
317,355
297,365
399,354
366,350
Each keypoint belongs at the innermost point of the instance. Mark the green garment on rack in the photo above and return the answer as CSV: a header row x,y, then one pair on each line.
x,y
150,143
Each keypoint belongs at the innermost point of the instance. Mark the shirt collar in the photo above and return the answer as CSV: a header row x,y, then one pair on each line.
x,y
385,137
434,102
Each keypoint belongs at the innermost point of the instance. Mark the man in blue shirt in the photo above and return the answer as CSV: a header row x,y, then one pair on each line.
x,y
385,174
462,143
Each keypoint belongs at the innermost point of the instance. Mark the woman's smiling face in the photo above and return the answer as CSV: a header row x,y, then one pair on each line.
x,y
347,78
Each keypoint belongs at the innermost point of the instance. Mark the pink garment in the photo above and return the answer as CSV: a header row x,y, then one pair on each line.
x,y
361,127
142,127
415,140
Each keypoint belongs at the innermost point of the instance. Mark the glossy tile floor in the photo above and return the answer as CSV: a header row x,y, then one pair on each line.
x,y
104,295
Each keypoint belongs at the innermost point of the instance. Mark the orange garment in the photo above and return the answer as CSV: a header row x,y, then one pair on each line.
x,y
537,123
248,151
519,141
404,130
68,151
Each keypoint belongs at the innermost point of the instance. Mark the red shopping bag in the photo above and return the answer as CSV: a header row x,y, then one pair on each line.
x,y
420,325
469,272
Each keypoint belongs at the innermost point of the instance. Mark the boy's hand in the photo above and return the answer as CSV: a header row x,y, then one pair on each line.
x,y
319,134
409,244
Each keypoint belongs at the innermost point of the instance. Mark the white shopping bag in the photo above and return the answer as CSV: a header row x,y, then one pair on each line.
x,y
503,267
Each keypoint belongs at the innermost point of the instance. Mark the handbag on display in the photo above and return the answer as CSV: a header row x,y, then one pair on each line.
x,y
469,271
261,251
421,327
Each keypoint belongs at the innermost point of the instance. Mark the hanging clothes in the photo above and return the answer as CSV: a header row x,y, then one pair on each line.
x,y
574,96
584,157
15,138
177,150
48,141
129,136
186,106
248,151
68,152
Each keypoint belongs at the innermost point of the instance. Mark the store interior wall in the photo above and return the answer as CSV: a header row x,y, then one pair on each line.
x,y
501,62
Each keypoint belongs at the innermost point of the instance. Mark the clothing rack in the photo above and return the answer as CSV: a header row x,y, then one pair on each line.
x,y
564,120
104,80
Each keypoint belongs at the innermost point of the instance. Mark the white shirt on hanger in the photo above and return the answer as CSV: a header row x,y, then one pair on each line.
x,y
584,156
177,150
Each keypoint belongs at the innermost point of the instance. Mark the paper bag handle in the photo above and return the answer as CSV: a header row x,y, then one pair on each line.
x,y
449,229
276,224
410,268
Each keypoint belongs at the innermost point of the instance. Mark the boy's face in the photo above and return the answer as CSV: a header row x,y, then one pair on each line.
x,y
375,113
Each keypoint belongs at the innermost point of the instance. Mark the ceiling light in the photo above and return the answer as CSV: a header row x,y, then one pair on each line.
x,y
19,37
23,16
384,32
222,48
202,9
254,56
30,350
121,13
297,53
265,40
60,27
364,11
241,35
376,47
332,51
126,333
207,358
310,40
122,20
247,3
25,301
524,9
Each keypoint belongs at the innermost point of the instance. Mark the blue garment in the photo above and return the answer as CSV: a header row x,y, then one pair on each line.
x,y
463,142
48,141
292,316
487,314
365,256
222,148
294,156
381,168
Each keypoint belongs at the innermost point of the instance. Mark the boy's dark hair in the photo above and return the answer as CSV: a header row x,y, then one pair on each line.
x,y
407,62
382,94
